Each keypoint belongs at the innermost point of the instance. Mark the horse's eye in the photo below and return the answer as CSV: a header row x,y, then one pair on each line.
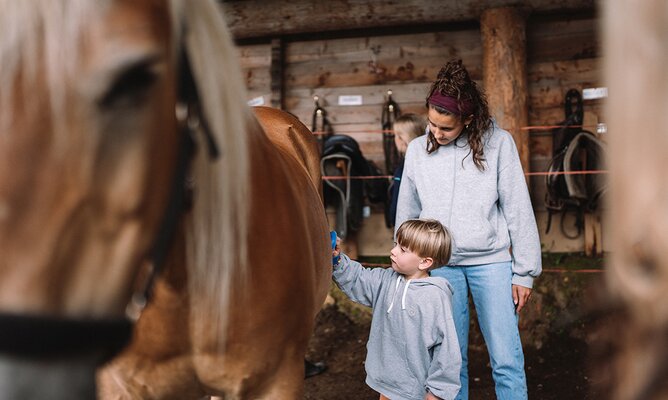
x,y
130,86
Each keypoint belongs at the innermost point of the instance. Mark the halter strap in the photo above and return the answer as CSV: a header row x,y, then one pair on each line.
x,y
40,337
191,118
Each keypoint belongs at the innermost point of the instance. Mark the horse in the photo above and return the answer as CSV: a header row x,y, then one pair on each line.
x,y
95,167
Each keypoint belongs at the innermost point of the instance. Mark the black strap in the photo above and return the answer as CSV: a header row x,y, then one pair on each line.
x,y
42,336
390,113
193,118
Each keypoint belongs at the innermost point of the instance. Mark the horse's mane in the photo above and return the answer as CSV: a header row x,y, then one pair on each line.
x,y
218,224
43,37
37,37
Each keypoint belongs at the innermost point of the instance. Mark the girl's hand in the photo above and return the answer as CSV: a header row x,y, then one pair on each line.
x,y
521,296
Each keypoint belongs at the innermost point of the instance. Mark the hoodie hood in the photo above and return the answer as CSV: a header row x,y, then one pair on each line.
x,y
416,284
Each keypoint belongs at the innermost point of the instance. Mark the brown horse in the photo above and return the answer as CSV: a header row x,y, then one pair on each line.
x,y
271,313
89,142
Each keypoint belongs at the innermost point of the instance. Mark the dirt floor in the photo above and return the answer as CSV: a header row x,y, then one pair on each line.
x,y
556,370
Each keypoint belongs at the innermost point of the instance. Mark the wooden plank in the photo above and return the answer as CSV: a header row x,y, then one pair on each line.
x,y
379,60
402,93
463,43
255,56
261,18
258,79
549,82
550,39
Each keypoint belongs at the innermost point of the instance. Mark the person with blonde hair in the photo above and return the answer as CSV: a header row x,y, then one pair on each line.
x,y
413,352
406,128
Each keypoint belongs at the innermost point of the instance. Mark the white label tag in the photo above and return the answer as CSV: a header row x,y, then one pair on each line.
x,y
594,93
366,212
351,100
258,101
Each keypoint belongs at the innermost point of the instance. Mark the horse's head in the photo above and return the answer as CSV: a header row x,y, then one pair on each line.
x,y
88,143
87,146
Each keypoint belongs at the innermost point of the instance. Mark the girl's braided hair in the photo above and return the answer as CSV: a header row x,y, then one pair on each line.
x,y
453,80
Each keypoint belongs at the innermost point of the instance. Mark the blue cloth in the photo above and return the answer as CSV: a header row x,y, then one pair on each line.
x,y
394,194
491,290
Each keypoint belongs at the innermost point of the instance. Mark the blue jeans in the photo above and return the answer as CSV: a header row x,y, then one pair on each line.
x,y
491,289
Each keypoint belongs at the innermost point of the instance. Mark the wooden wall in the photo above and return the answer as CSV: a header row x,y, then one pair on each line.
x,y
562,53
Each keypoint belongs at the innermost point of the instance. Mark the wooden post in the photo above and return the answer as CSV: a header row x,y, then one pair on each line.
x,y
636,55
504,70
277,63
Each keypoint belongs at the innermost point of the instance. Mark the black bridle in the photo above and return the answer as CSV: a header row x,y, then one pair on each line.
x,y
43,336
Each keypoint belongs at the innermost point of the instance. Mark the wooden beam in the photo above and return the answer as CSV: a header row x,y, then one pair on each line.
x,y
277,81
270,18
504,69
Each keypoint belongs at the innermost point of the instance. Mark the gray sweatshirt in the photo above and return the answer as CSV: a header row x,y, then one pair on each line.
x,y
485,211
412,344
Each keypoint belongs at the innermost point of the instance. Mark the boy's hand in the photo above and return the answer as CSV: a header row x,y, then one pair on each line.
x,y
337,249
430,396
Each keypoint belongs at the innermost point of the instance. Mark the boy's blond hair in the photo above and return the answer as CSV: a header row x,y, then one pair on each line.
x,y
426,238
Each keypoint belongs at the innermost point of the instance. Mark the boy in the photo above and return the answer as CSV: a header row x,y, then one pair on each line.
x,y
413,352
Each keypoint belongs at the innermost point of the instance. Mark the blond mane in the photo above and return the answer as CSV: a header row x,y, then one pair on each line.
x,y
218,225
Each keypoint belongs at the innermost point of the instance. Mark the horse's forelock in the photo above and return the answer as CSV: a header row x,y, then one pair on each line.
x,y
40,37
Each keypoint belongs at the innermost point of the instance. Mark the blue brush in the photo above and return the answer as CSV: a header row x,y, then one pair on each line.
x,y
332,235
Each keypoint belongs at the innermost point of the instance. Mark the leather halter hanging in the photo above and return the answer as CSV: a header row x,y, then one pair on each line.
x,y
391,112
44,336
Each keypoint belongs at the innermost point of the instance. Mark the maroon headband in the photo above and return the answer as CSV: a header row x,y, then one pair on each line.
x,y
461,107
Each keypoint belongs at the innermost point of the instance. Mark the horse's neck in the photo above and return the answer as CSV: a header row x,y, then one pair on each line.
x,y
47,379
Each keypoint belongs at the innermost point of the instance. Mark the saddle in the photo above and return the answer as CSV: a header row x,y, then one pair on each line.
x,y
575,150
343,158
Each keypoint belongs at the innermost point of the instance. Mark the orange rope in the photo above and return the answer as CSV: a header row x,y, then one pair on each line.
x,y
592,172
339,178
365,131
549,127
555,270
524,128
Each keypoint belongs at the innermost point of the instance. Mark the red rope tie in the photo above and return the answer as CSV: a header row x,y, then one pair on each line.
x,y
348,132
338,178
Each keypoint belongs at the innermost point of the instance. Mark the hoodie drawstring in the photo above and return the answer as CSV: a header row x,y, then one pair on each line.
x,y
403,298
394,294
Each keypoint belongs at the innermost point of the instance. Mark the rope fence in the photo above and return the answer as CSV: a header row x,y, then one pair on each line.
x,y
549,270
591,172
524,128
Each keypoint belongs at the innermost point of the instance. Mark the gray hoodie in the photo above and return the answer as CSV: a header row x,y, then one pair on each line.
x,y
412,344
485,211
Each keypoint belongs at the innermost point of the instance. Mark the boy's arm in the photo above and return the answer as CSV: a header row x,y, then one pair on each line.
x,y
360,284
443,377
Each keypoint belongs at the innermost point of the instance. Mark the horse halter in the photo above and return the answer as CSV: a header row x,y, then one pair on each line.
x,y
48,337
191,119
